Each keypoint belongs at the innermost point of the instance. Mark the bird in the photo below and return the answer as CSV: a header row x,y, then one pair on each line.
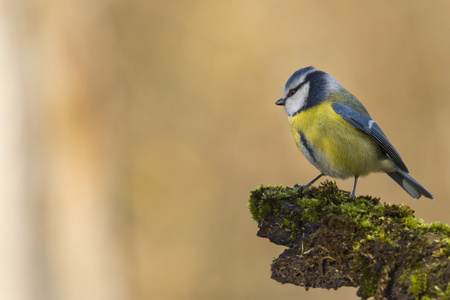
x,y
336,134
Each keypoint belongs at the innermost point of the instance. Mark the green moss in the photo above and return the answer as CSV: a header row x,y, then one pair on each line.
x,y
314,209
286,222
411,222
368,287
366,224
418,283
263,201
370,227
437,227
444,295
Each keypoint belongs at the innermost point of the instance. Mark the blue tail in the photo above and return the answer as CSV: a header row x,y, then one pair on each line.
x,y
412,187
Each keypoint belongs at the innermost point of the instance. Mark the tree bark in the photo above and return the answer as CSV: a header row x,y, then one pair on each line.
x,y
334,240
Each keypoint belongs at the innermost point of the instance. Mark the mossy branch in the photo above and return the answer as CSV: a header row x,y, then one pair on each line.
x,y
334,241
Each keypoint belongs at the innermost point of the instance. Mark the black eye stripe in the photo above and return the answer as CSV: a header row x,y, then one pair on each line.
x,y
309,78
294,90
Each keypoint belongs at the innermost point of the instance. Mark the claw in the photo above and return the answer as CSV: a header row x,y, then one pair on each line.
x,y
302,187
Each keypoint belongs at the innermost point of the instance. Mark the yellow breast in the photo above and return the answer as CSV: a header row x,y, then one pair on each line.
x,y
339,149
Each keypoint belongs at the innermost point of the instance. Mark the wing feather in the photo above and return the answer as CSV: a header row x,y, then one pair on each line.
x,y
367,125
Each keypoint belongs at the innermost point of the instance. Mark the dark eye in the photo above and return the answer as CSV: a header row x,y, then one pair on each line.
x,y
291,92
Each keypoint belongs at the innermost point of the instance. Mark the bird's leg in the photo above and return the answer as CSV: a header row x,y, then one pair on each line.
x,y
302,187
354,187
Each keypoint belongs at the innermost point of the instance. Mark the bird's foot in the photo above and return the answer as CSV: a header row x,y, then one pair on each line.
x,y
301,187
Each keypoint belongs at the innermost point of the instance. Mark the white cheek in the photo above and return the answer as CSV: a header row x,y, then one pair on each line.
x,y
297,101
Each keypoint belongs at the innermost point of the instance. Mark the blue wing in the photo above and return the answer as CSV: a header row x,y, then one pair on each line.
x,y
367,125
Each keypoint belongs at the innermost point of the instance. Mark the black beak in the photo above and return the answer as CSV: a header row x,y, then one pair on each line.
x,y
281,101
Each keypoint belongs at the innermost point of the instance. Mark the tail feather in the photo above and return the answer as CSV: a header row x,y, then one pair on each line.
x,y
412,187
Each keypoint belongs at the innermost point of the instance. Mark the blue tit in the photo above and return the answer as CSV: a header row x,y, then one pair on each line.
x,y
334,131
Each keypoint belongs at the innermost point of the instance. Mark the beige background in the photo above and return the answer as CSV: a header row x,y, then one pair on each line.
x,y
133,131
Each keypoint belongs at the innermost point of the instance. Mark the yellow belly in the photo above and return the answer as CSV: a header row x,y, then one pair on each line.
x,y
339,149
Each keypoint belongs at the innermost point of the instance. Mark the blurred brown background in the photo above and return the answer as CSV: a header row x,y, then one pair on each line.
x,y
133,131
